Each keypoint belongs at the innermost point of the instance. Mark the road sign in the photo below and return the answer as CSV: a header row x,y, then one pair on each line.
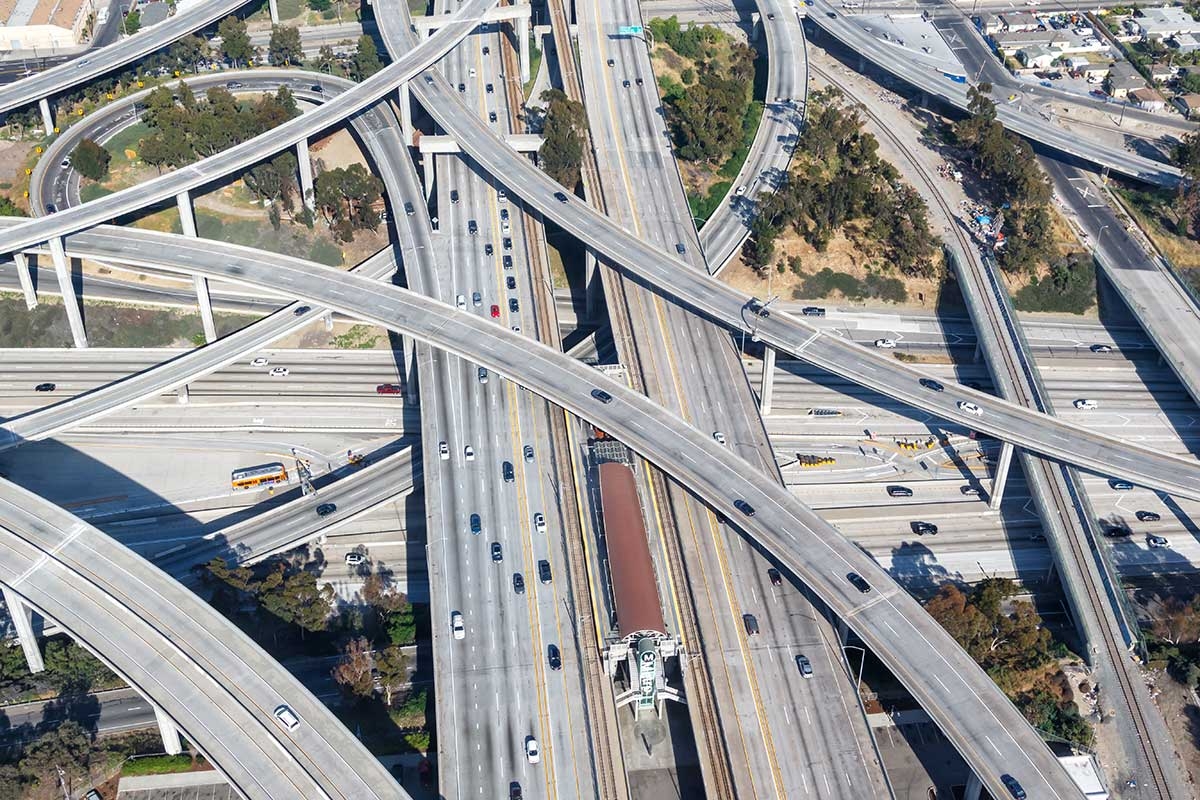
x,y
629,30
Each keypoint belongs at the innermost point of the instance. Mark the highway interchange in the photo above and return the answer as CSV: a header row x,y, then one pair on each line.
x,y
497,419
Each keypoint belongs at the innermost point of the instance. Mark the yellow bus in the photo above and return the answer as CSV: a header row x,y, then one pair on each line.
x,y
250,477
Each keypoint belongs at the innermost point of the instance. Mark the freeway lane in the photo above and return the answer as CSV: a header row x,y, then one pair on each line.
x,y
1030,429
970,709
106,59
254,150
216,684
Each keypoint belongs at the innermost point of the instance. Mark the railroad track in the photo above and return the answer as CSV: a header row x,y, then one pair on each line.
x,y
1060,484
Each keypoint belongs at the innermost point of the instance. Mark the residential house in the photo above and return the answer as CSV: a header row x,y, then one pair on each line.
x,y
1147,99
1123,79
1165,22
1037,57
1188,105
1019,21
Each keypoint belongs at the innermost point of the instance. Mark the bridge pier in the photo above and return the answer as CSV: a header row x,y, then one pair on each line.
x,y
274,4
47,117
187,220
427,164
182,396
410,370
768,381
67,288
974,789
978,352
406,125
170,734
304,162
594,286
1001,477
22,619
522,24
21,261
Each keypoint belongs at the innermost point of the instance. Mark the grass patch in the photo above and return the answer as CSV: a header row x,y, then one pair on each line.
x,y
257,232
326,252
1155,212
535,63
703,206
828,283
357,338
1069,287
418,8
93,191
108,325
128,139
157,765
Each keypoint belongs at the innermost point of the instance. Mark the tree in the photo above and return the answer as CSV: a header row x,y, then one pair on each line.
x,y
284,46
344,196
235,42
366,60
295,598
91,160
132,22
1178,622
10,209
561,153
354,671
320,5
392,666
72,669
326,59
67,747
189,51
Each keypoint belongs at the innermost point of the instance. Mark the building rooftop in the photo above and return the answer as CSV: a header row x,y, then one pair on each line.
x,y
18,13
634,587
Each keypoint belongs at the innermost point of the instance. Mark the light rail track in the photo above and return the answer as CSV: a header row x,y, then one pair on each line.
x,y
1060,485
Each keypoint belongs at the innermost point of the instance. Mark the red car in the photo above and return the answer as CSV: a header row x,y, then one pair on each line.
x,y
495,311
388,388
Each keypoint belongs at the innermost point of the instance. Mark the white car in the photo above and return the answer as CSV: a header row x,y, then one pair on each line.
x,y
741,190
501,196
461,302
970,408
539,522
471,72
719,437
279,372
506,227
456,625
886,344
287,718
259,362
469,453
354,559
1084,404
533,751
1157,541
444,451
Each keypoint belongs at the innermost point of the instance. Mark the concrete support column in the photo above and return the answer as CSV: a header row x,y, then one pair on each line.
x,y
427,161
166,728
410,370
22,263
187,221
182,396
974,788
594,285
67,288
1001,478
406,125
274,11
523,24
329,321
306,175
47,117
978,353
768,381
22,618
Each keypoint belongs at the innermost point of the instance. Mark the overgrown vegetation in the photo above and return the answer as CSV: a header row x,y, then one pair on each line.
x,y
345,197
1175,639
1070,286
29,768
563,126
1018,186
827,282
1007,639
359,337
838,178
706,117
70,670
91,160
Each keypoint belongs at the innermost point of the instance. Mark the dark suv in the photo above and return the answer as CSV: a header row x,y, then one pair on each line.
x,y
507,470
899,491
922,528
813,311
859,582
544,571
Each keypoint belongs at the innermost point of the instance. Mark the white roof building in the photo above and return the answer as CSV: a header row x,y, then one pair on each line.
x,y
1165,22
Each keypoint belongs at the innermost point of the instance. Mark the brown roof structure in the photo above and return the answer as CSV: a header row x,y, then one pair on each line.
x,y
635,590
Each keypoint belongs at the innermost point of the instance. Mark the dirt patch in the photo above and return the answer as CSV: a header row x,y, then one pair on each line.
x,y
339,149
15,156
1181,709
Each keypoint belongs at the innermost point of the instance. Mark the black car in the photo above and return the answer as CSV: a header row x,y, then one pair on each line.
x,y
300,311
491,116
506,469
859,582
560,197
1119,485
508,262
472,227
932,385
1014,786
601,395
751,623
544,571
610,62
776,578
513,305
553,656
1143,516
625,84
489,88
507,243
45,387
899,491
970,491
325,509
813,311
922,528
476,524
518,583
510,283
454,195
744,507
316,87
758,309
680,248
514,788
497,552
1100,348
408,209
462,88
488,249
51,208
640,82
